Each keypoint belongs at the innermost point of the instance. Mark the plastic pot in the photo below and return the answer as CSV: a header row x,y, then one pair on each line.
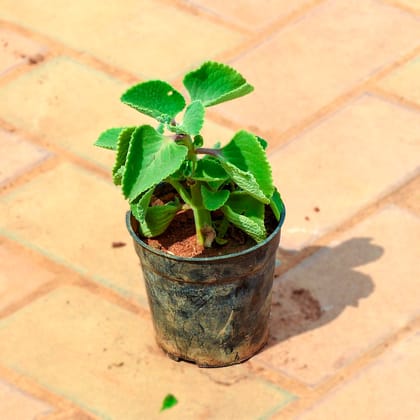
x,y
212,311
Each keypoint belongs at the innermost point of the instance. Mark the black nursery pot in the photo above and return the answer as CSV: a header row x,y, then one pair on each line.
x,y
212,311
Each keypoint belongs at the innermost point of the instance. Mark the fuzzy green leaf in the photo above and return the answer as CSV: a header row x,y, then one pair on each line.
x,y
213,200
193,120
209,169
158,218
109,138
247,214
214,83
246,154
121,156
276,204
168,402
156,99
154,220
245,181
151,158
140,206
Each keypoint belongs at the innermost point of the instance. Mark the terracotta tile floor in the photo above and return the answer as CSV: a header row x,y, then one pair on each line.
x,y
337,97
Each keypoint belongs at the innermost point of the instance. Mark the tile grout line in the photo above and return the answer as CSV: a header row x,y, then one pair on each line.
x,y
14,307
390,197
61,395
270,31
196,10
56,48
281,379
22,178
394,98
351,370
403,7
308,395
31,387
81,280
24,68
57,153
338,102
261,37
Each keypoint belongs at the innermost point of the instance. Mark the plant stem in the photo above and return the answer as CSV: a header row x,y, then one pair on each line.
x,y
181,191
207,151
223,227
202,218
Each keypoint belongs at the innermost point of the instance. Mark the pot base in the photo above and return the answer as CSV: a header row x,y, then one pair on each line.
x,y
208,362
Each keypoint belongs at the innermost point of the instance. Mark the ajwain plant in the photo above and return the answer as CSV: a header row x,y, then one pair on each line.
x,y
233,182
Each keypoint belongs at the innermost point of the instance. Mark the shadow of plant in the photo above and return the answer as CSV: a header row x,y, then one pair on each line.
x,y
317,290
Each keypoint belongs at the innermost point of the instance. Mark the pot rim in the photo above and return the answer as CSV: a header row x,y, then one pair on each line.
x,y
203,259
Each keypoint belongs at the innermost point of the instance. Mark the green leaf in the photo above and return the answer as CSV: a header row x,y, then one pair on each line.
x,y
276,204
245,153
183,172
198,141
156,99
151,158
214,83
264,143
213,200
193,120
222,227
247,214
154,220
209,169
246,181
168,402
109,138
140,206
121,156
158,218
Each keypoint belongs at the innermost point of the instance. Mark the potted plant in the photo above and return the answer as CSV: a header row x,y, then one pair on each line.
x,y
211,308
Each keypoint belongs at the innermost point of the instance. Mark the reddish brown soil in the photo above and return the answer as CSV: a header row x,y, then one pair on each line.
x,y
294,311
308,305
180,238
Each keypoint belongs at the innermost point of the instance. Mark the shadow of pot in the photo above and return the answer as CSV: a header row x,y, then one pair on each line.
x,y
211,311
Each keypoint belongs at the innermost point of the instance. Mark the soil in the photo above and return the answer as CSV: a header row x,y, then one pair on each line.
x,y
310,308
118,244
294,311
180,238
